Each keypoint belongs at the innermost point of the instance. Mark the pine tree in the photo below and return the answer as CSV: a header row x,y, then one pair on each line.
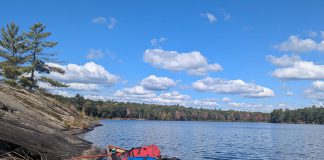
x,y
13,52
37,43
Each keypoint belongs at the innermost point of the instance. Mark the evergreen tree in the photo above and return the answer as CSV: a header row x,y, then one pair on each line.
x,y
277,116
79,101
37,43
12,52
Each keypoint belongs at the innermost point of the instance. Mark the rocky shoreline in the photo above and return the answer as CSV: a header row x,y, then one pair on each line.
x,y
77,131
37,124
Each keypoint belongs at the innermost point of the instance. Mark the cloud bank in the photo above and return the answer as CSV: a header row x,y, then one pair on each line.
x,y
221,86
194,63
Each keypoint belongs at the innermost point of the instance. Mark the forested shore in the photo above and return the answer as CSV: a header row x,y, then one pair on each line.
x,y
303,115
127,110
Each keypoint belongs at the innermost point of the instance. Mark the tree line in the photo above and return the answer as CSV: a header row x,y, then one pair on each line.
x,y
127,110
23,60
304,115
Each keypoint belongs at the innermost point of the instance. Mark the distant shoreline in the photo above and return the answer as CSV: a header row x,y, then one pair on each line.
x,y
134,119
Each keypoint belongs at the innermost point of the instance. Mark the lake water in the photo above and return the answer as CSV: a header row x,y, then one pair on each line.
x,y
215,140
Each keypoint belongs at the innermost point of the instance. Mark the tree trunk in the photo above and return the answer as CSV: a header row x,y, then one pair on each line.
x,y
33,72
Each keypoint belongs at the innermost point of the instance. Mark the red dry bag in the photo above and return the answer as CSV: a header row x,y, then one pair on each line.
x,y
144,151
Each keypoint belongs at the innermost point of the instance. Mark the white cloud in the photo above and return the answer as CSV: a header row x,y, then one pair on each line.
x,y
300,70
250,107
95,54
226,99
112,23
296,45
83,86
137,91
266,92
318,85
174,95
87,73
211,18
97,97
193,62
71,86
314,95
89,77
140,95
293,68
240,87
316,91
205,69
99,20
283,61
156,42
289,93
153,82
173,60
63,93
45,86
256,107
210,102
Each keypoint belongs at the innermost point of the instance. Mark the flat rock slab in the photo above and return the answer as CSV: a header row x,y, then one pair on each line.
x,y
36,123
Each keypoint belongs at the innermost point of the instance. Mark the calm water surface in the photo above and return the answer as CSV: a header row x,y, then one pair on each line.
x,y
215,140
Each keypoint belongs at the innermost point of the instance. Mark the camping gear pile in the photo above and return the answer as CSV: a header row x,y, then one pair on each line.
x,y
151,152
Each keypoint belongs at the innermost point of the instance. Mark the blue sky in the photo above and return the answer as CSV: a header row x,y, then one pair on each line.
x,y
242,55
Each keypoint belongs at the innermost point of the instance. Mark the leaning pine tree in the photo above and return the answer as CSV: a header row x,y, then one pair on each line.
x,y
36,43
13,54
